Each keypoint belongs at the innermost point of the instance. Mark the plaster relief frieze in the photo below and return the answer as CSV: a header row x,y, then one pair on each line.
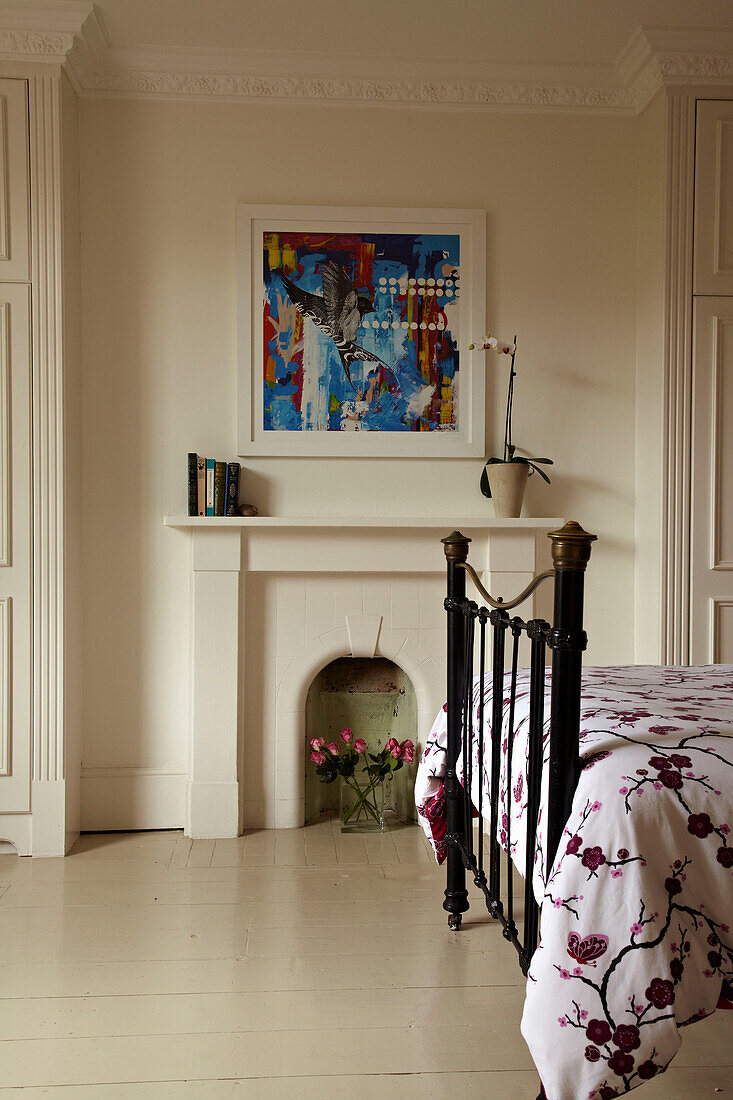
x,y
388,92
36,44
695,67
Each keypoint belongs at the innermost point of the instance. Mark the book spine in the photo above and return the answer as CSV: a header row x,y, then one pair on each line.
x,y
220,472
210,467
192,488
232,493
200,486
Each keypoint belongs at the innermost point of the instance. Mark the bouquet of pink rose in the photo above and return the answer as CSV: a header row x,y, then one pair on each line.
x,y
333,760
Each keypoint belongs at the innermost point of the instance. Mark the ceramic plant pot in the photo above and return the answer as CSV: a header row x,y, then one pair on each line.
x,y
507,481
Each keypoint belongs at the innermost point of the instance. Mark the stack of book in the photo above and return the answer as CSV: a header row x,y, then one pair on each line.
x,y
213,486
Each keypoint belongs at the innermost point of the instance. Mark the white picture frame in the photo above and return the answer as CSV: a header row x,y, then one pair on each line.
x,y
466,436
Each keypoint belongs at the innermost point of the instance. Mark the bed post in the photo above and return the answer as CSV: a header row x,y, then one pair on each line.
x,y
456,895
571,547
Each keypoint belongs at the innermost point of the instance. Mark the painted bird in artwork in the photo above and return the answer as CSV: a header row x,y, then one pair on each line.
x,y
337,313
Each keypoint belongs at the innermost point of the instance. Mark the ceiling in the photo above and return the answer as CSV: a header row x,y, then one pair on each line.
x,y
524,32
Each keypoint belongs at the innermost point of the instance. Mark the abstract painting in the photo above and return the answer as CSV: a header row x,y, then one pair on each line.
x,y
359,332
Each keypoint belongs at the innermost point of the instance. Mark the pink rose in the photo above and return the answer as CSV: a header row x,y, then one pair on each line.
x,y
391,745
333,748
407,751
360,745
318,757
317,742
396,752
347,736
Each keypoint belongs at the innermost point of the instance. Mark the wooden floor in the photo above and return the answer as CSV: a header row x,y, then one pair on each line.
x,y
299,964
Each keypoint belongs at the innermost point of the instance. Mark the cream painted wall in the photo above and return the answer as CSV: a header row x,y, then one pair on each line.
x,y
160,183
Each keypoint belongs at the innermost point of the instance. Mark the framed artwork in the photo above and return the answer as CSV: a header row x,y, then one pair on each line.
x,y
354,326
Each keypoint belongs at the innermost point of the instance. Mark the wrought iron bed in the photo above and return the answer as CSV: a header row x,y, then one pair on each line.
x,y
566,640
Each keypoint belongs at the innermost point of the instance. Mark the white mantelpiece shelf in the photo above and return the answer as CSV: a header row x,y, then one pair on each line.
x,y
393,522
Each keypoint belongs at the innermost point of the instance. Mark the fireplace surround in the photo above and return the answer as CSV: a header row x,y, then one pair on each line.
x,y
276,599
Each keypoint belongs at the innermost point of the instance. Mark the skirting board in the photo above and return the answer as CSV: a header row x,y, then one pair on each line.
x,y
132,798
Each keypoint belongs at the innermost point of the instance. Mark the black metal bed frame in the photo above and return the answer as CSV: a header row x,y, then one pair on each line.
x,y
566,640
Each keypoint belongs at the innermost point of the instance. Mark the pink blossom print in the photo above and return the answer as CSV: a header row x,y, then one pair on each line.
x,y
635,940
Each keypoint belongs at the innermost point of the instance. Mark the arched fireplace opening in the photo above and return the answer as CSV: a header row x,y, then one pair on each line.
x,y
375,698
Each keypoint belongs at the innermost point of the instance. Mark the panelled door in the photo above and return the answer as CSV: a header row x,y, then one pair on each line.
x,y
15,548
711,543
712,480
15,453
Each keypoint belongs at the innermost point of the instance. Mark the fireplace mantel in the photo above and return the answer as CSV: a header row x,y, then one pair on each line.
x,y
447,523
310,555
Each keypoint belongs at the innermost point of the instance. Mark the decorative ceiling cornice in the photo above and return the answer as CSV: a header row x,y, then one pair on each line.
x,y
100,69
655,57
72,31
47,31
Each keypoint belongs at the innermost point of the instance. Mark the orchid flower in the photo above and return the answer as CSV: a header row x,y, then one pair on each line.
x,y
492,343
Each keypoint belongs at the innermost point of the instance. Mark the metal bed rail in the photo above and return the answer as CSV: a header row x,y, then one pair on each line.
x,y
490,628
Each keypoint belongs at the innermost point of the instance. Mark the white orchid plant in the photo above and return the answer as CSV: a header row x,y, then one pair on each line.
x,y
492,343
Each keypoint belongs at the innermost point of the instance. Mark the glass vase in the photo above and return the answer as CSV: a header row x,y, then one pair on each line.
x,y
362,805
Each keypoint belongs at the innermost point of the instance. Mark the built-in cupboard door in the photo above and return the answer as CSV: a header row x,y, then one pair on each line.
x,y
712,482
15,549
14,249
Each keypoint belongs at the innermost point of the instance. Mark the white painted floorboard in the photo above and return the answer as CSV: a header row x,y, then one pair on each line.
x,y
299,963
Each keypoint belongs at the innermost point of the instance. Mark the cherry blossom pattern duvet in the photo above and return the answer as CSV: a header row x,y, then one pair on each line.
x,y
635,937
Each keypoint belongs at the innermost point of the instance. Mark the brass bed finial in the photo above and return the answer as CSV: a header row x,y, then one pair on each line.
x,y
455,546
571,546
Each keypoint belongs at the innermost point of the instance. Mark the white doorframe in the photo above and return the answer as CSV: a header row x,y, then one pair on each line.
x,y
677,397
48,771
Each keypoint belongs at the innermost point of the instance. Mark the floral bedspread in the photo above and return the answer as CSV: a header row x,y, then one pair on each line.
x,y
635,938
